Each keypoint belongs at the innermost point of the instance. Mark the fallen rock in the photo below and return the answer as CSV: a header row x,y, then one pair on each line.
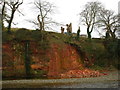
x,y
81,74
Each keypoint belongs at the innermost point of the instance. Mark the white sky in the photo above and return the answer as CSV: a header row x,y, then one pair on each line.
x,y
67,11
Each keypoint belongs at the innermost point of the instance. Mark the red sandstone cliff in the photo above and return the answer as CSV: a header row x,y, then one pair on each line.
x,y
63,60
60,60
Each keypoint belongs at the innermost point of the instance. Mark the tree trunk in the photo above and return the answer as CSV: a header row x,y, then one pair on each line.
x,y
107,35
3,15
40,23
88,32
112,34
10,22
43,25
27,59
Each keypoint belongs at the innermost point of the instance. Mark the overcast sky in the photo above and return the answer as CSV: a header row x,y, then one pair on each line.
x,y
67,11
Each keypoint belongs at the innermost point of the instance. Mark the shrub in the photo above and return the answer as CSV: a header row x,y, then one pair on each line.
x,y
7,37
113,47
23,35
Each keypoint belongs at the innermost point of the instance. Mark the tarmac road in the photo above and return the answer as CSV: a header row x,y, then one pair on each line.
x,y
108,81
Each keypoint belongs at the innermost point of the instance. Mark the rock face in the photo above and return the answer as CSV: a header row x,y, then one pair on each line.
x,y
59,61
12,60
63,59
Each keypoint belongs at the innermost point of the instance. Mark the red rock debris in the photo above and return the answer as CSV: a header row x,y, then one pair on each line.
x,y
81,74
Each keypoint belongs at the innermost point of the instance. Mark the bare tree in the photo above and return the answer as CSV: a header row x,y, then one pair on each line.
x,y
109,22
13,5
89,14
45,8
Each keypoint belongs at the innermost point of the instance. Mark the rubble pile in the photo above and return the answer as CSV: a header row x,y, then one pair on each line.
x,y
86,73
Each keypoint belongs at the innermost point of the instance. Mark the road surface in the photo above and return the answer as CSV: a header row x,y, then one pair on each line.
x,y
108,81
